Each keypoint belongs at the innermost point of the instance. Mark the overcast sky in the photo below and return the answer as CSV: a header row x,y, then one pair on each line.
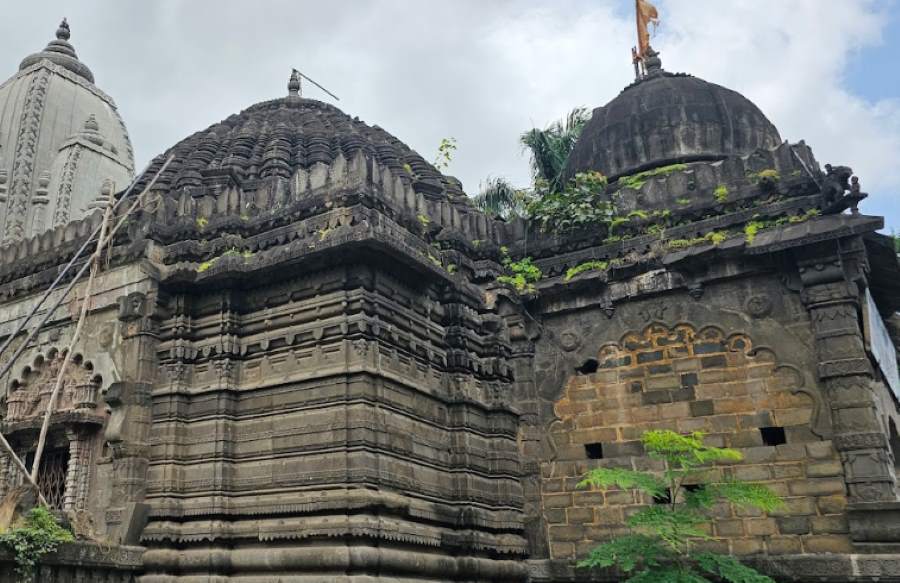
x,y
483,71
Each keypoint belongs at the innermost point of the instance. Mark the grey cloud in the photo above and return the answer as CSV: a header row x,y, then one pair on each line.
x,y
480,71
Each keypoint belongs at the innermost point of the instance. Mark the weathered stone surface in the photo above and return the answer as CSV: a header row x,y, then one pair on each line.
x,y
299,363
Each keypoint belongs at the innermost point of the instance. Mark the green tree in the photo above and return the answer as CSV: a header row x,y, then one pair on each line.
x,y
661,549
550,147
500,199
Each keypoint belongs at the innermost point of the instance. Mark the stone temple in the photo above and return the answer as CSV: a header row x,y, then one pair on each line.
x,y
299,366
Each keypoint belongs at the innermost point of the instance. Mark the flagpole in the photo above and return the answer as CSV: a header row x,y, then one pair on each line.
x,y
635,57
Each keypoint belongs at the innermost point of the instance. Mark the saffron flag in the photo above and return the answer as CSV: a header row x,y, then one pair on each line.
x,y
646,15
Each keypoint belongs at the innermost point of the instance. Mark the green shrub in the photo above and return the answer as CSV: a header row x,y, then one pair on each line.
x,y
580,204
524,275
661,548
636,181
32,538
721,193
585,267
753,228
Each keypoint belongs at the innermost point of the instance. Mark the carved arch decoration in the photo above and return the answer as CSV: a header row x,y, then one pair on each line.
x,y
30,391
75,426
663,365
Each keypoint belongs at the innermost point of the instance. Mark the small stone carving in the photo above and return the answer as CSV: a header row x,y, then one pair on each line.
x,y
569,340
654,311
131,307
759,306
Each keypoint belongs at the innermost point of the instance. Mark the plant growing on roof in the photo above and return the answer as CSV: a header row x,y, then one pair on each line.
x,y
35,535
585,267
636,181
500,199
550,148
580,204
524,274
662,548
445,152
721,193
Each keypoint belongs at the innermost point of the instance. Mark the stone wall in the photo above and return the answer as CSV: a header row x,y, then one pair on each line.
x,y
79,562
706,380
316,413
735,362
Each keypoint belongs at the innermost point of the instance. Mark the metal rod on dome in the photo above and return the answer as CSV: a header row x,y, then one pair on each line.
x,y
72,261
317,85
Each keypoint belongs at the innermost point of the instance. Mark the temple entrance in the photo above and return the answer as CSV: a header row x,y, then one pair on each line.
x,y
52,477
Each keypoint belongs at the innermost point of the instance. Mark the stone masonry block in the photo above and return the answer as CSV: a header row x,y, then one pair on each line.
x,y
761,526
830,524
824,469
793,525
829,543
783,545
817,487
701,408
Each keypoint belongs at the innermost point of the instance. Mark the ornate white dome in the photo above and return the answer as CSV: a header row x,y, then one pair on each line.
x,y
62,142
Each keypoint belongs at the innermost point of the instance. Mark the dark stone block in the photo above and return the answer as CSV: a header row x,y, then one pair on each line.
x,y
623,449
701,408
683,395
713,361
637,386
689,379
800,434
709,348
875,521
660,368
645,357
793,524
655,397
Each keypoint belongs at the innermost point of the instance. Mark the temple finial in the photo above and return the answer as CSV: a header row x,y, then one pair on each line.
x,y
63,32
294,84
646,15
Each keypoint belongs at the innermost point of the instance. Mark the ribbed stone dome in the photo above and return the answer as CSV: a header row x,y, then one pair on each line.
x,y
276,138
668,118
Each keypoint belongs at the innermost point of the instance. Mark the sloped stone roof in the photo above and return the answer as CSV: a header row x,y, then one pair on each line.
x,y
276,138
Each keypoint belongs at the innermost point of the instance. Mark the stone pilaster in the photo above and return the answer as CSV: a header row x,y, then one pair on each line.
x,y
832,298
128,429
79,470
5,475
77,467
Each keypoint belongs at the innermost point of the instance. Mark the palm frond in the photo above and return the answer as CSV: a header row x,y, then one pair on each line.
x,y
500,198
550,147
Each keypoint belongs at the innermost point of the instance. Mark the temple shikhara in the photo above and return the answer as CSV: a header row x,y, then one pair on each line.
x,y
292,360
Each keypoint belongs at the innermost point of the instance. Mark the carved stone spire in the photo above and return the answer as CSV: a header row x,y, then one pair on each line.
x,y
61,52
63,32
294,84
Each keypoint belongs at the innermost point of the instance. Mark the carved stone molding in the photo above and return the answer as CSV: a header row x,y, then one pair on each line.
x,y
23,158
